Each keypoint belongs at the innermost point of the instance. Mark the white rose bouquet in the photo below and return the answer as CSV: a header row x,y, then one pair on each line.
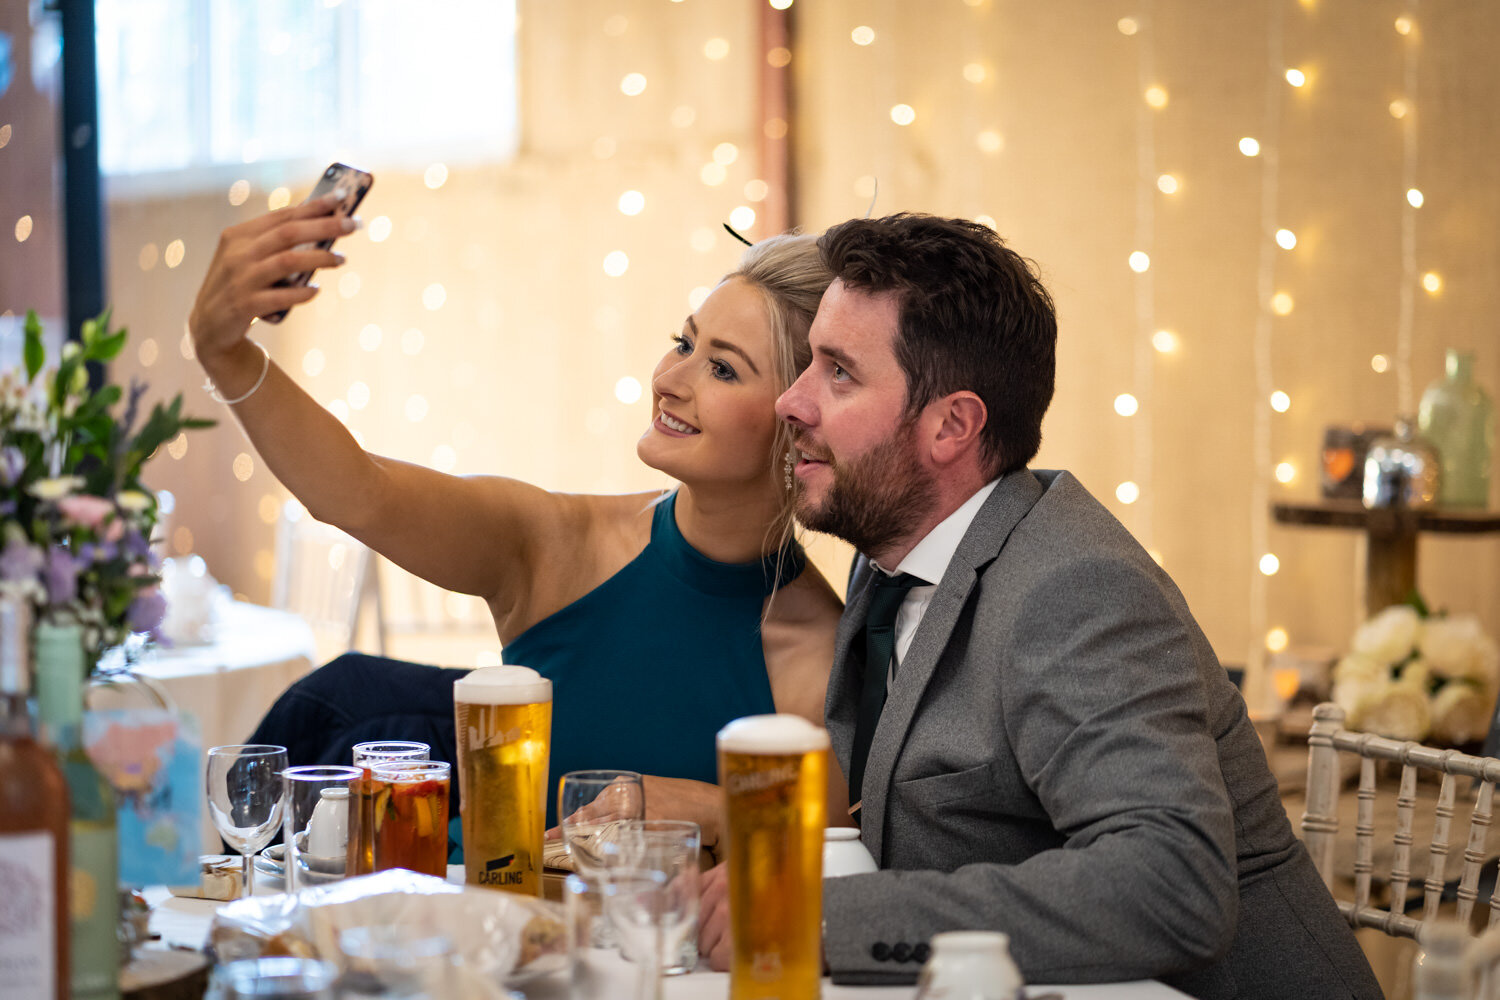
x,y
1411,676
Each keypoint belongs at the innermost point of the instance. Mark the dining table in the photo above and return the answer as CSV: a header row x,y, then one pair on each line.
x,y
183,923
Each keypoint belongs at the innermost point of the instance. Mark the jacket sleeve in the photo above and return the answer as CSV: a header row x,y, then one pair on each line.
x,y
1105,711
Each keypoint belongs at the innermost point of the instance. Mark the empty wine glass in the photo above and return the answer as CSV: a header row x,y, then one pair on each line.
x,y
591,805
245,797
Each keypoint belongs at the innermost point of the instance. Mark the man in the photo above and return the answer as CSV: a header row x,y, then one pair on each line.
x,y
1051,748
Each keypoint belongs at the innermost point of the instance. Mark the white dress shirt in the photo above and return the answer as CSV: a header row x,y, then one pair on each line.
x,y
929,560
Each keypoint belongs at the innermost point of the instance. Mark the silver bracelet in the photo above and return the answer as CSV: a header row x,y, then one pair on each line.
x,y
216,396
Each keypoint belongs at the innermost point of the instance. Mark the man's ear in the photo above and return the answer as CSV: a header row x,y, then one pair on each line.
x,y
960,418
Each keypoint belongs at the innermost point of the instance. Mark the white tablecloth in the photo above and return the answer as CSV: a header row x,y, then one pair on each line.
x,y
185,923
227,684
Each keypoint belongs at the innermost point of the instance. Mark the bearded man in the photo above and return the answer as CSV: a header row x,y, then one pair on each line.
x,y
1042,742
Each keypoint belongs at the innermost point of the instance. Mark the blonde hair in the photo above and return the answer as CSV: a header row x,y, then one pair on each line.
x,y
791,275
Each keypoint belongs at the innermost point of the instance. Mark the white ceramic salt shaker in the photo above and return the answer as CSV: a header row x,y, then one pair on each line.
x,y
845,854
970,965
328,829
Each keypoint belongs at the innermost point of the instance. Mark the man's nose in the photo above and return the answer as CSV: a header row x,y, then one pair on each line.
x,y
794,406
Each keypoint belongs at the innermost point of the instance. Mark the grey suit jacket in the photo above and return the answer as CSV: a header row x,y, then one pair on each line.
x,y
1061,757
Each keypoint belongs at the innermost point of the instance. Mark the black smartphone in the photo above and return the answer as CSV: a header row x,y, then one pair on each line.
x,y
355,184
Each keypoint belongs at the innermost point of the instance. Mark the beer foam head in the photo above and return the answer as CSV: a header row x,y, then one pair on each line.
x,y
502,685
772,734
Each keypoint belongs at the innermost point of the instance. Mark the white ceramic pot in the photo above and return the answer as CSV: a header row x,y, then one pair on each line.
x,y
844,853
970,965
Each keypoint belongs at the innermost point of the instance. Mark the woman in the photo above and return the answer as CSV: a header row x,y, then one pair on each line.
x,y
657,617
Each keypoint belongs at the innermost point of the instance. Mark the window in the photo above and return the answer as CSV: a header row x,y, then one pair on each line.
x,y
190,85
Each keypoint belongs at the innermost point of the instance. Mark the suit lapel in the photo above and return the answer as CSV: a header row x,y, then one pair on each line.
x,y
1012,498
842,702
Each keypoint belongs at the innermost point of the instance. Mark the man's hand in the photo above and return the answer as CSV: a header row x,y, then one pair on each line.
x,y
714,942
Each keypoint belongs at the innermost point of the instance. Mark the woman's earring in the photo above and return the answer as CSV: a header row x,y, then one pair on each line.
x,y
787,467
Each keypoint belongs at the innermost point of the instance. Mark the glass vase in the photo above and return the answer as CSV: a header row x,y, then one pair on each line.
x,y
1458,417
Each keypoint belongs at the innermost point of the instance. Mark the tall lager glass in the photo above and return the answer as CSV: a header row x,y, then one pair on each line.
x,y
503,719
774,772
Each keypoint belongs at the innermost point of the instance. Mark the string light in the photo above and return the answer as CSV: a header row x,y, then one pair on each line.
x,y
703,239
757,189
435,176
174,253
1269,564
1414,197
780,4
416,408
314,361
1277,640
412,341
239,192
698,296
1167,184
349,284
1282,304
380,228
243,467
1127,26
147,352
1403,25
1433,282
616,263
1165,341
863,35
1127,492
1380,364
1156,97
742,218
1400,108
726,153
1286,472
1280,401
1286,239
1140,262
270,509
370,337
631,203
433,296
990,141
1126,405
633,84
628,390
1296,77
903,114
179,446
713,174
1249,146
279,198
23,228
975,72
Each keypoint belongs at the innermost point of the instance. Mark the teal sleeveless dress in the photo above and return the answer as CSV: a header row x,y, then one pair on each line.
x,y
647,667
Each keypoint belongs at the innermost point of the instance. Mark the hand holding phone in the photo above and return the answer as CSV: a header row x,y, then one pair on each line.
x,y
338,177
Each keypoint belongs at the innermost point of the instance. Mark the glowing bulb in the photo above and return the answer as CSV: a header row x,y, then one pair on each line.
x,y
633,85
975,72
23,228
1165,341
148,353
314,361
1379,364
1167,184
1127,492
239,191
1276,642
434,295
863,35
990,141
1280,401
902,114
726,153
380,229
1433,282
369,337
435,176
1269,564
1286,239
1249,146
713,174
179,446
1414,197
616,263
631,203
756,190
1403,25
279,198
1400,107
780,4
779,57
243,466
628,390
174,253
742,218
1282,304
1126,404
416,408
1286,472
698,296
1296,77
1156,97
716,49
1140,262
1128,25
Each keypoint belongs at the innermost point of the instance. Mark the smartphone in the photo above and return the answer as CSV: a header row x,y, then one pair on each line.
x,y
338,175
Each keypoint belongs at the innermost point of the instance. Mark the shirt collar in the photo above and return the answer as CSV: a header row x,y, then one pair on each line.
x,y
930,557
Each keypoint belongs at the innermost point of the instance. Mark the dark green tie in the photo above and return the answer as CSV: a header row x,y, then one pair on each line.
x,y
880,644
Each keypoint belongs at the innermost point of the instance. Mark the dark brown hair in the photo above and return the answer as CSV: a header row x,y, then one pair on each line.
x,y
972,315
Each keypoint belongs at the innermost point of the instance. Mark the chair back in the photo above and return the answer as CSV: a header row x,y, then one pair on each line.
x,y
1320,823
325,576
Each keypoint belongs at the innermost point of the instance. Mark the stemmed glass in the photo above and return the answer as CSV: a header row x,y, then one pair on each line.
x,y
245,797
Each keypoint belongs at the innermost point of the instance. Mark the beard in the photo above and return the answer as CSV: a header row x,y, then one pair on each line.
x,y
876,498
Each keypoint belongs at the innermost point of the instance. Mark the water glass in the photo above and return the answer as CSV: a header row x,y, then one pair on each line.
x,y
397,962
591,805
667,847
638,908
281,978
316,825
245,797
361,852
583,916
411,815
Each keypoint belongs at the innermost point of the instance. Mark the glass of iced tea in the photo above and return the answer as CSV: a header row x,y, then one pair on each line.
x,y
361,860
411,816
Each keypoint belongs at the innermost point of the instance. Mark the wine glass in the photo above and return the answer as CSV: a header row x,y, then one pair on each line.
x,y
591,806
245,797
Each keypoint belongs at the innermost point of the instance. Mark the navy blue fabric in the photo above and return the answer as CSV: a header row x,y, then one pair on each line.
x,y
645,669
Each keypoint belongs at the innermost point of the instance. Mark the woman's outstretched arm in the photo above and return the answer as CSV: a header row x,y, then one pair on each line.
x,y
475,535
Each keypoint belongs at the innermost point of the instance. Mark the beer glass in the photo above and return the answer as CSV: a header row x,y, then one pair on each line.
x,y
411,815
774,772
503,722
361,859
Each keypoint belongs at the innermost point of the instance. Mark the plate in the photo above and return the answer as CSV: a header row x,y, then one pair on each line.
x,y
272,861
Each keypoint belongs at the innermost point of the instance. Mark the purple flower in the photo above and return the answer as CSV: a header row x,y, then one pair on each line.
x,y
61,575
147,610
20,561
12,464
135,545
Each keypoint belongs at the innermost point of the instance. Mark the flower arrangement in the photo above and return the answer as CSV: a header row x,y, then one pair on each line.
x,y
75,519
1410,676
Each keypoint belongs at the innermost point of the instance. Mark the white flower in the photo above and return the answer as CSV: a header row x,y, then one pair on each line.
x,y
133,501
1360,666
1391,635
55,489
1460,714
1401,713
1457,648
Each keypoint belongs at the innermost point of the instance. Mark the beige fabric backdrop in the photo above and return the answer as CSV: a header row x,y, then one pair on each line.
x,y
518,368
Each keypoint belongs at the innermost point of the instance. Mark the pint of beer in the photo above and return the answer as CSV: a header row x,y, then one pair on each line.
x,y
774,772
503,721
